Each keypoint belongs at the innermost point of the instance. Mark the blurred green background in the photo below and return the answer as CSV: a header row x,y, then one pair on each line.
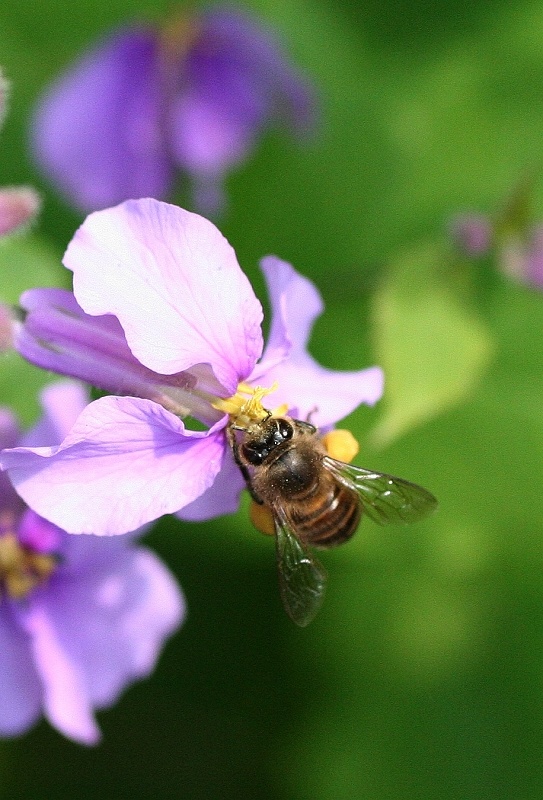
x,y
422,677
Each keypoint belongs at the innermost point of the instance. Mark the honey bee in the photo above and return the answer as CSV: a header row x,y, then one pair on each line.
x,y
315,501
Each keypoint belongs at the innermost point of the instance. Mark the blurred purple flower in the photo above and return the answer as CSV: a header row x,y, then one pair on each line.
x,y
163,312
18,204
7,327
521,257
81,617
518,250
196,96
472,233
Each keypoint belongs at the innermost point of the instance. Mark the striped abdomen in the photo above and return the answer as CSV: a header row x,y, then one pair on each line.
x,y
322,511
328,516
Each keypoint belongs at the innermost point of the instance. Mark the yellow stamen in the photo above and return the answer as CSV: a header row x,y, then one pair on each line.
x,y
245,411
280,411
341,445
21,569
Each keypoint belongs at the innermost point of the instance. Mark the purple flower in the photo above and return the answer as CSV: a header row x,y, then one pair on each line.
x,y
518,248
163,311
196,96
521,257
81,617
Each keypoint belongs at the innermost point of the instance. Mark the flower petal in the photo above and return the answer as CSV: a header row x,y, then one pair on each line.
x,y
62,403
57,335
66,702
38,534
97,130
307,388
21,695
9,428
174,283
125,462
295,305
236,80
222,497
112,606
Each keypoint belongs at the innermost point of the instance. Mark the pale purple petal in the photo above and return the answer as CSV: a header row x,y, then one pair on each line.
x,y
97,130
174,283
66,701
307,388
125,463
57,335
130,604
222,497
295,305
9,428
21,694
62,403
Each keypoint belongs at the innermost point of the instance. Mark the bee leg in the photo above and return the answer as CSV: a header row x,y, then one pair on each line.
x,y
233,442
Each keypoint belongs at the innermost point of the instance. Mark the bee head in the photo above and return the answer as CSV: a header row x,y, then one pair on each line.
x,y
271,433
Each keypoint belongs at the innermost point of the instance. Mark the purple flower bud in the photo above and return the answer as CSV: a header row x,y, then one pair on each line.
x,y
19,205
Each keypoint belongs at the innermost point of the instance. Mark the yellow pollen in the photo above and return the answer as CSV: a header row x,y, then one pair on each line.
x,y
21,569
262,518
341,445
245,411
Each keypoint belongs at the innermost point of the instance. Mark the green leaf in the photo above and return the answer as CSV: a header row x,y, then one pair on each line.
x,y
430,342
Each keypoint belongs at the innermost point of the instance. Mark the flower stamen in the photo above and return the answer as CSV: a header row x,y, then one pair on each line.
x,y
22,569
245,411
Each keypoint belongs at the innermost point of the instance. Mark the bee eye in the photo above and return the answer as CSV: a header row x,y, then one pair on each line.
x,y
284,430
255,453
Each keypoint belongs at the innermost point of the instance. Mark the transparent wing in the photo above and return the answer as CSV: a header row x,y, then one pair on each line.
x,y
302,578
385,499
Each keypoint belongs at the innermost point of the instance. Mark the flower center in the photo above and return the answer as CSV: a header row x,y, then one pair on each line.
x,y
245,408
21,569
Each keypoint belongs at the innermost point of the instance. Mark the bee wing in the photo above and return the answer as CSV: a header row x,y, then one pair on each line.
x,y
302,578
385,498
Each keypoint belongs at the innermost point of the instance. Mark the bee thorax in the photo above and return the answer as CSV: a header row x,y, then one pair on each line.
x,y
293,475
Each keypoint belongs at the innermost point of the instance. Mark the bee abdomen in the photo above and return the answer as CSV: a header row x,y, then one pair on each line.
x,y
330,520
